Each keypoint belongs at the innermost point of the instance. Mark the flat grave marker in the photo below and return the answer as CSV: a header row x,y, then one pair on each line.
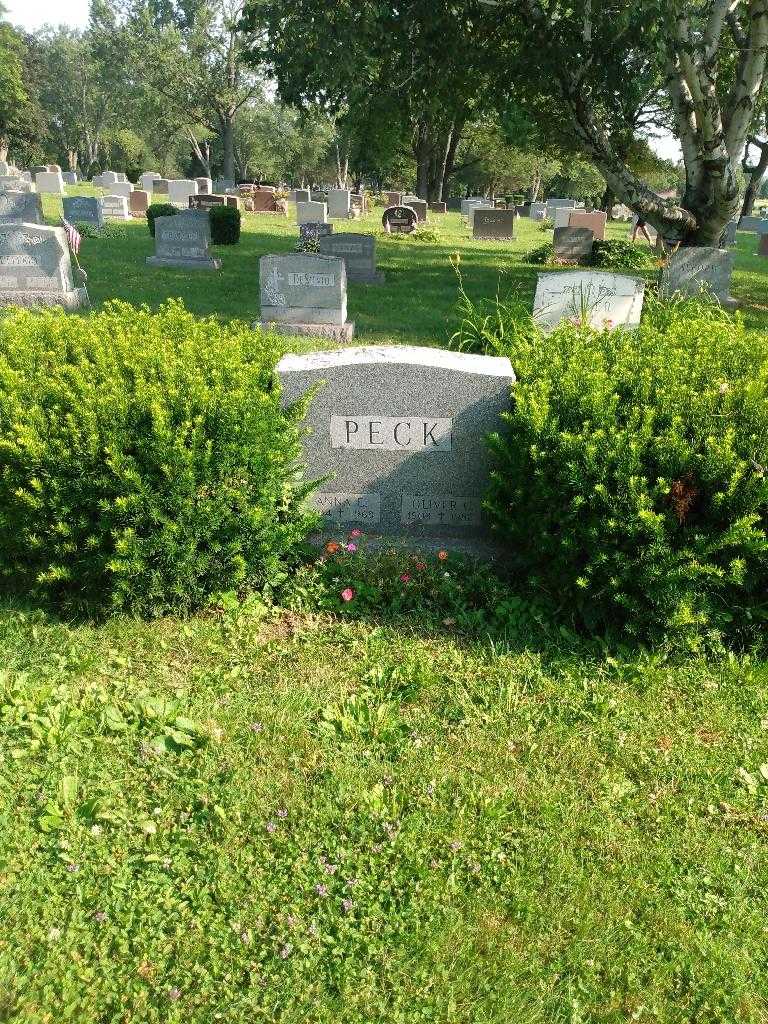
x,y
604,299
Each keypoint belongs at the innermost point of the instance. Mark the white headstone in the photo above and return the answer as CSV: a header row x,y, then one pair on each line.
x,y
122,188
311,213
146,179
115,207
179,191
603,299
49,181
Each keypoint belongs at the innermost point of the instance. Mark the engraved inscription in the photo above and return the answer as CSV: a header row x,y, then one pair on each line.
x,y
306,280
392,433
343,507
440,509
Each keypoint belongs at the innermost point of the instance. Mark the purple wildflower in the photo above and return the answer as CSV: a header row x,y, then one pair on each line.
x,y
282,813
255,726
285,951
321,890
271,827
174,994
346,905
100,916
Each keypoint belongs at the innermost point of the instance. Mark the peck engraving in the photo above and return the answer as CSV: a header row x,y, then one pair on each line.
x,y
392,433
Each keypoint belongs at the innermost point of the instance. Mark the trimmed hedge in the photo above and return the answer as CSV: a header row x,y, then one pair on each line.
x,y
225,225
159,210
145,462
632,479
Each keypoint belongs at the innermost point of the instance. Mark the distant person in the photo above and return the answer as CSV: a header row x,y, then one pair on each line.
x,y
640,226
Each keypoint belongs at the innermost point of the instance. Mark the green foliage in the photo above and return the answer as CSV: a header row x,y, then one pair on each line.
x,y
545,225
421,233
159,210
542,254
146,461
631,479
225,225
618,254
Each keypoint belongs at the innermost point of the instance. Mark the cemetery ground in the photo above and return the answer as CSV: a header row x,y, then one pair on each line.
x,y
431,813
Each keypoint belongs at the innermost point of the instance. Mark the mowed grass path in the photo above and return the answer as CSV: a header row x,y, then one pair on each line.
x,y
416,305
282,816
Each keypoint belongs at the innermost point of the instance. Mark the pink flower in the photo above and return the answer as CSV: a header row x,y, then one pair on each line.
x,y
347,594
421,566
352,547
405,578
355,533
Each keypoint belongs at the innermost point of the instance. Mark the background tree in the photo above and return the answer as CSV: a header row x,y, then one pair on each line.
x,y
20,117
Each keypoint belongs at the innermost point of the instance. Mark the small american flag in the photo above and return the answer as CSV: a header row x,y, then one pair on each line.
x,y
73,236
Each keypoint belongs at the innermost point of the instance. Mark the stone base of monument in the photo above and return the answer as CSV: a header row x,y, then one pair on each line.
x,y
75,299
342,333
190,264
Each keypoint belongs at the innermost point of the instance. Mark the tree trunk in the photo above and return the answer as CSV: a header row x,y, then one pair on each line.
x,y
609,201
228,144
756,175
72,159
421,153
3,148
450,157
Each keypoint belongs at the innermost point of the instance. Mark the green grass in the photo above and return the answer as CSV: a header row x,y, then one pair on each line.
x,y
524,828
416,305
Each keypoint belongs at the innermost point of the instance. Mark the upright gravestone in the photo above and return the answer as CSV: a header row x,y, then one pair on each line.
x,y
108,179
179,191
121,188
263,200
467,205
50,182
698,269
11,184
400,433
83,210
729,235
393,198
438,208
301,195
69,177
115,208
493,225
762,248
758,224
538,211
573,245
20,208
160,187
138,202
359,255
399,220
305,294
601,298
339,203
594,222
35,268
420,208
224,185
205,202
183,241
311,213
146,180
314,230
473,210
204,186
561,215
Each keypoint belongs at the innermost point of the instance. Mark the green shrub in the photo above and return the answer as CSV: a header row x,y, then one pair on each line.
x,y
146,462
542,254
421,233
159,210
546,224
622,254
87,229
225,225
631,480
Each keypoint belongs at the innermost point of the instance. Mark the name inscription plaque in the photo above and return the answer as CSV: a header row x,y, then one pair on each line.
x,y
392,433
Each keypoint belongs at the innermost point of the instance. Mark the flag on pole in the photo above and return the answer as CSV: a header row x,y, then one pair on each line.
x,y
73,236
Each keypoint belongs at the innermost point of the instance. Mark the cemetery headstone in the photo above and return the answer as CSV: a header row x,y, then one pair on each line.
x,y
38,169
83,210
399,220
538,211
438,208
183,241
318,197
393,198
263,201
314,229
603,298
494,224
11,184
729,235
50,182
473,210
20,208
121,188
302,195
108,179
311,213
400,433
453,205
160,186
359,255
694,269
205,202
69,177
115,208
762,249
224,185
138,202
121,176
594,221
179,191
339,203
420,207
572,245
757,224
204,186
305,294
35,268
146,179
561,216
469,204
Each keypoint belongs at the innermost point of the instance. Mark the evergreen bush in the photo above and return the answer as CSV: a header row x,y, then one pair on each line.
x,y
159,210
631,480
146,462
225,225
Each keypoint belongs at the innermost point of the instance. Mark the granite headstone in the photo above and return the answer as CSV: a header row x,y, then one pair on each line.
x,y
302,293
183,241
493,224
359,255
20,208
697,269
83,210
35,268
603,298
572,245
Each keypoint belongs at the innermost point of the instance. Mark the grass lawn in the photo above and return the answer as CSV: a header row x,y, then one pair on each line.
x,y
277,815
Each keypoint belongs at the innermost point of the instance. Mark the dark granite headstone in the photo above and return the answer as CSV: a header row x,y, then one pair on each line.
x,y
183,241
493,224
399,220
359,255
83,209
572,245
